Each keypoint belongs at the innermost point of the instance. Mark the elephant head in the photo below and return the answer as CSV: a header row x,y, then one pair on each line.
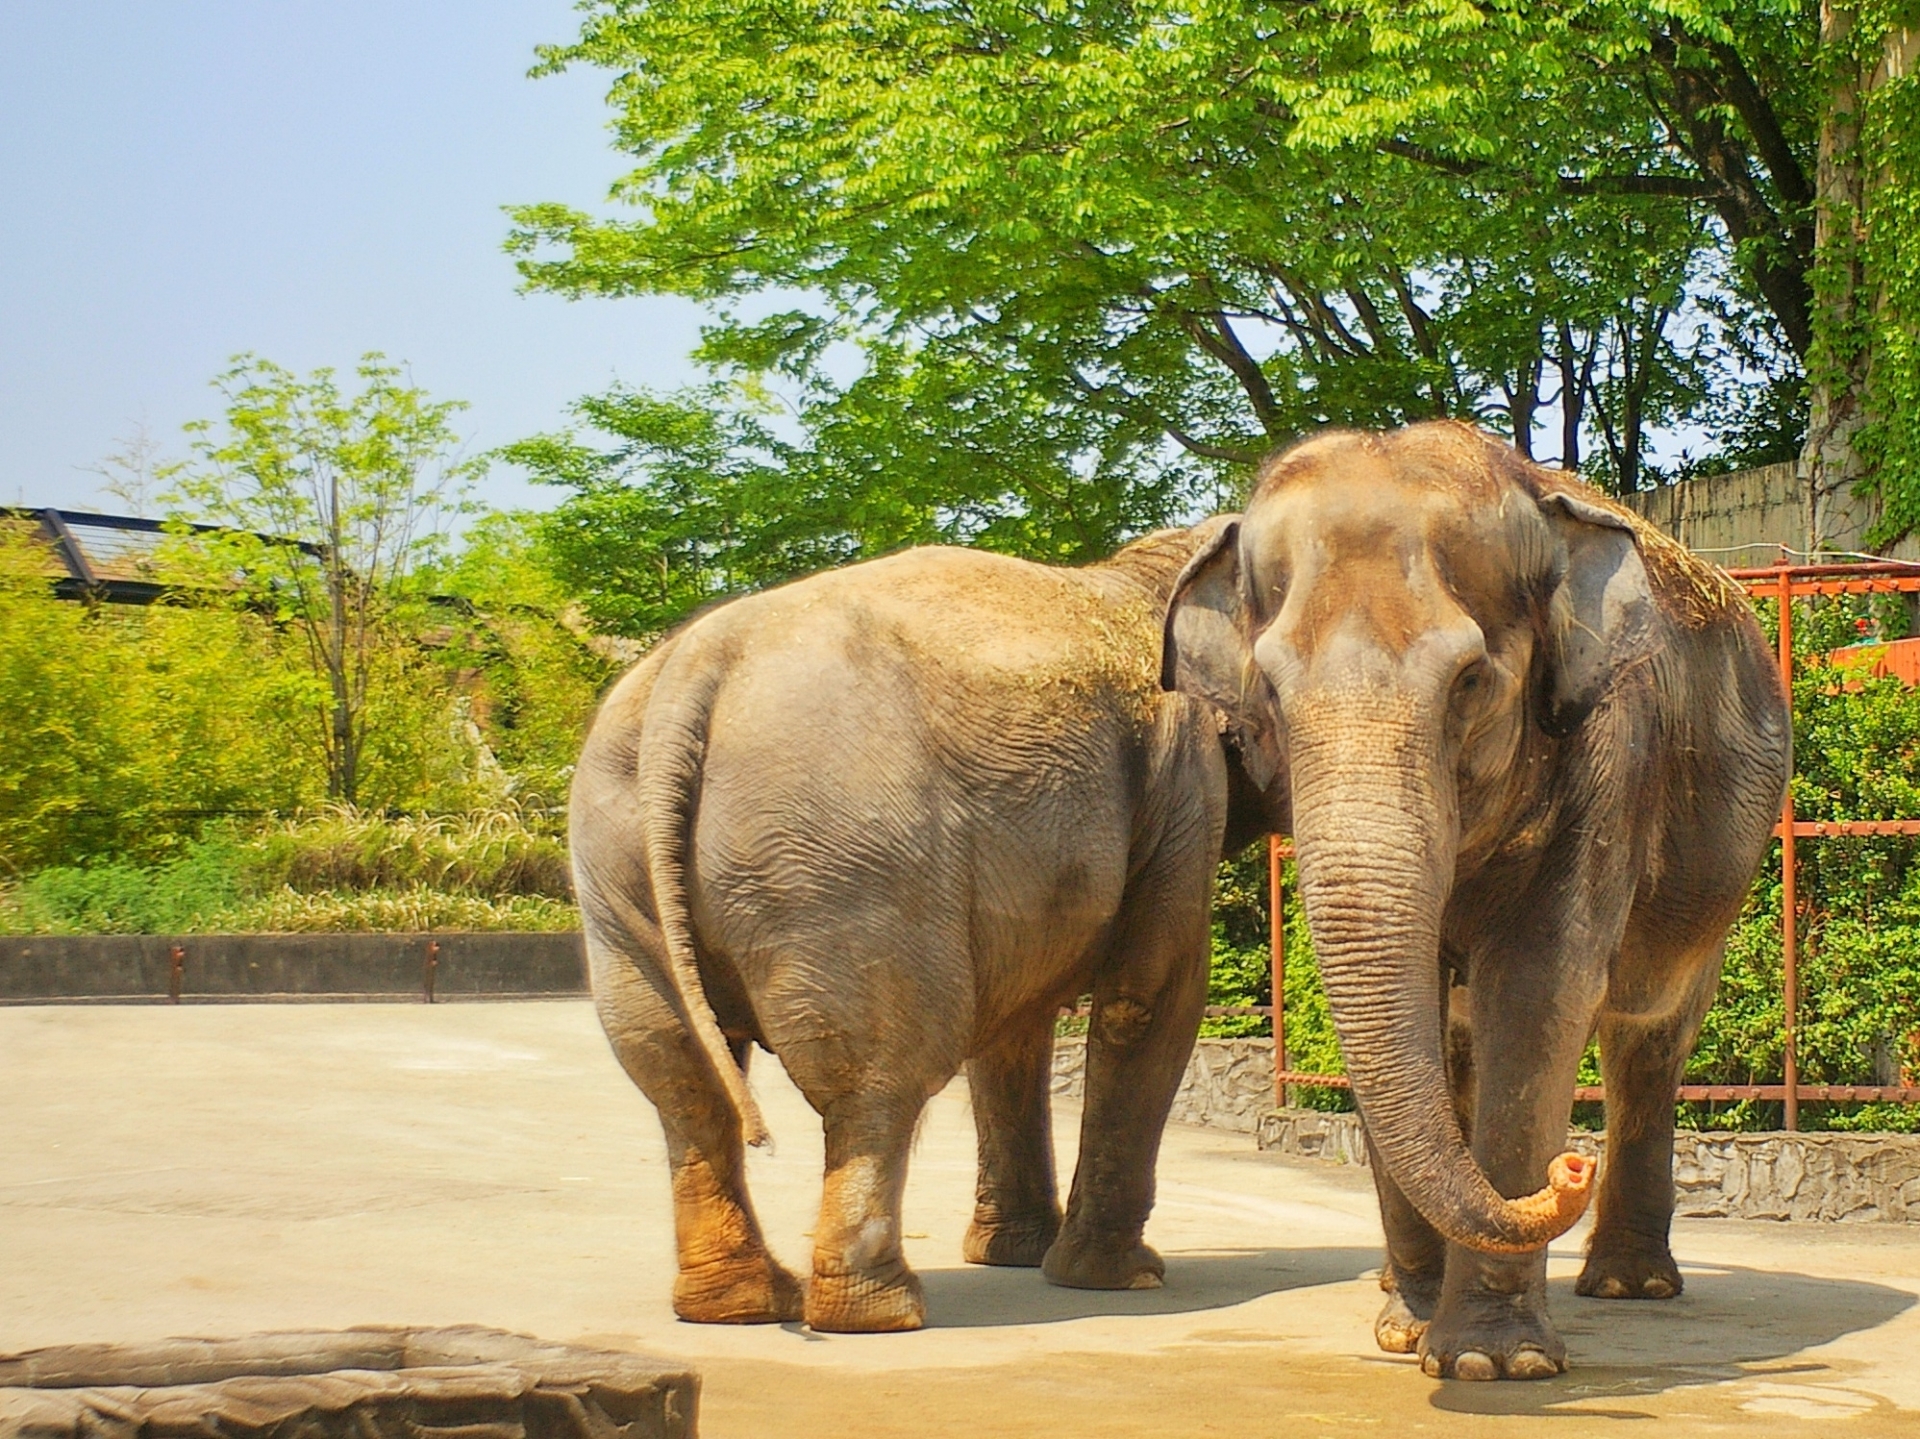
x,y
1419,620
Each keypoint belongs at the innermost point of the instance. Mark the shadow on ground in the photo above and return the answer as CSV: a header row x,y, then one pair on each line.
x,y
977,1297
1730,1324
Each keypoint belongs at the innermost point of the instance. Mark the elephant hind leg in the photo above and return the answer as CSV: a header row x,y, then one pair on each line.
x,y
1642,1061
726,1274
1017,1208
1148,998
861,1282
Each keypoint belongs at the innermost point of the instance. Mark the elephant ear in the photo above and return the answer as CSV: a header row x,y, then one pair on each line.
x,y
1602,614
1206,651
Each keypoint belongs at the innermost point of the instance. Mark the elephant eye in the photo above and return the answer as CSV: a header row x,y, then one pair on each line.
x,y
1470,680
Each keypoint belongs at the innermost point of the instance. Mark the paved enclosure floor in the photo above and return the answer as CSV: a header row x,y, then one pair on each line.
x,y
220,1169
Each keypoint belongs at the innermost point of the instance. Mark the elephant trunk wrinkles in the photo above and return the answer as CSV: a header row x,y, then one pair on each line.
x,y
1375,852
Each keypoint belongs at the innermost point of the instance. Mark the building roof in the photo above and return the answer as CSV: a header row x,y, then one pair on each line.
x,y
103,557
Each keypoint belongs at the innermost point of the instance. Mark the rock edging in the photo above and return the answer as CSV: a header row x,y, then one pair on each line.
x,y
1228,1083
1832,1178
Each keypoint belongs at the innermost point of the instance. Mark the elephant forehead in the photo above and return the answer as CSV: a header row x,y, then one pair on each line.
x,y
1373,546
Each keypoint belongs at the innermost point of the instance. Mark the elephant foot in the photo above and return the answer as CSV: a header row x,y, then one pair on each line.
x,y
743,1289
1020,1243
1411,1301
1492,1336
885,1302
1627,1266
1079,1263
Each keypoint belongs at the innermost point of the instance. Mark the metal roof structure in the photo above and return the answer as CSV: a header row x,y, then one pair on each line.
x,y
104,557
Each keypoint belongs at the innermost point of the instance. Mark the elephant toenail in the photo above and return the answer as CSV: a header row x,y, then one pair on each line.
x,y
1146,1279
1531,1364
1611,1288
1474,1365
1430,1365
1657,1288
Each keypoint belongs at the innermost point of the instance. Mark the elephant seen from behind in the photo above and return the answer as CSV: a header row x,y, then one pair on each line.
x,y
885,822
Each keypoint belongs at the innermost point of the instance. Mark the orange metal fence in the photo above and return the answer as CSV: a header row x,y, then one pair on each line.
x,y
1785,583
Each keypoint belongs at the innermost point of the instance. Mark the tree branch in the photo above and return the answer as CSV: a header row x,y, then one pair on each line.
x,y
1212,332
1682,187
1763,125
1205,449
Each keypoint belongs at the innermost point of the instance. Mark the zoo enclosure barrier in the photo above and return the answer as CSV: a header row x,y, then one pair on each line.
x,y
1783,582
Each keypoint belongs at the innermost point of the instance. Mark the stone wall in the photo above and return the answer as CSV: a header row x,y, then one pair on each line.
x,y
1849,1178
1228,1084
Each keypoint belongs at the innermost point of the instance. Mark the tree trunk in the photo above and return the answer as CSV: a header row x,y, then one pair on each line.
x,y
1576,378
1830,463
1523,399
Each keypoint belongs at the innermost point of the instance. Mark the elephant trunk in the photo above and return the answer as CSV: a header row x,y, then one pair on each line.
x,y
1375,848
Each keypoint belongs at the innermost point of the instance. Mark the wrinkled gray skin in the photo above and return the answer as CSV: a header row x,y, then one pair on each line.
x,y
1534,754
885,822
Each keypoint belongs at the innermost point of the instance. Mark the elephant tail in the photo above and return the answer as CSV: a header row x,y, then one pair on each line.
x,y
673,749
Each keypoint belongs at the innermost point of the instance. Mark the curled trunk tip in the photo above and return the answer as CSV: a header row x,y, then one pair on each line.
x,y
1543,1216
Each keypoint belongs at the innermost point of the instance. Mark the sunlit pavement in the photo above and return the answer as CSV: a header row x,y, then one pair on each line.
x,y
216,1170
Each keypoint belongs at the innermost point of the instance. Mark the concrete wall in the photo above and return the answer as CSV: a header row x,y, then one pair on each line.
x,y
46,969
1743,518
1849,1178
1228,1084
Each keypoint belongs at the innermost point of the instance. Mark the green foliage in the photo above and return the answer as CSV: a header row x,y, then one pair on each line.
x,y
1242,973
120,897
520,656
328,501
1890,137
682,499
486,853
1856,756
338,870
1057,247
126,727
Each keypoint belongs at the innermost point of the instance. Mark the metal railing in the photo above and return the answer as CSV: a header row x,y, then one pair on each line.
x,y
1783,582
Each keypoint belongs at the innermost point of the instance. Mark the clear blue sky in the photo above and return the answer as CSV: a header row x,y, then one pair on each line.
x,y
181,181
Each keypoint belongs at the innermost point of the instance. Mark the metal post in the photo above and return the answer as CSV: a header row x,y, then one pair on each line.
x,y
430,971
1789,959
176,966
1277,966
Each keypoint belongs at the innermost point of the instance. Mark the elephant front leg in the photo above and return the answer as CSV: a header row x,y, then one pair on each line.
x,y
1416,1260
1016,1213
861,1282
1531,1023
1642,1061
1415,1268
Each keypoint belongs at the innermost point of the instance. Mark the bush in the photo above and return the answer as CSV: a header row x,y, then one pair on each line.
x,y
133,731
490,854
1856,756
1242,973
126,727
339,870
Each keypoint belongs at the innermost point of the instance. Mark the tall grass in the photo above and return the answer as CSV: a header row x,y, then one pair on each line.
x,y
338,869
494,853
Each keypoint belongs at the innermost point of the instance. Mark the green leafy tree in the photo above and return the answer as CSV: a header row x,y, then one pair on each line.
x,y
1145,227
328,500
682,499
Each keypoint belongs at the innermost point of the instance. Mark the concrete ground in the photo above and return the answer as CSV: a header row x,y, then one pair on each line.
x,y
214,1170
